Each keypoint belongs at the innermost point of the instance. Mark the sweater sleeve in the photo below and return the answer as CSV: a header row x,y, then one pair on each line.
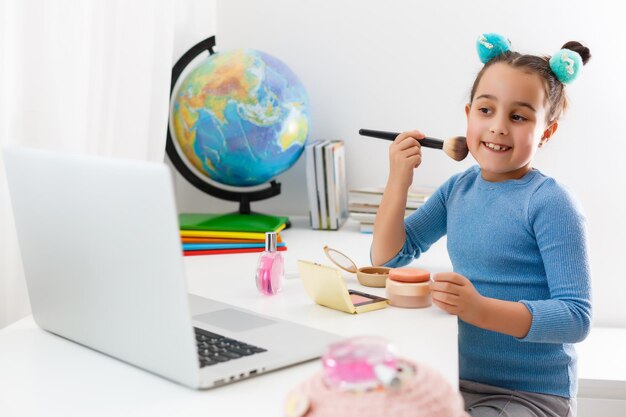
x,y
560,231
424,227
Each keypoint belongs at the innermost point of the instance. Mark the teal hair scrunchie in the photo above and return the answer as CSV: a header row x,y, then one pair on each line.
x,y
566,65
490,45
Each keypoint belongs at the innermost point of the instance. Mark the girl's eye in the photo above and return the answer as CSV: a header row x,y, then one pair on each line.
x,y
518,118
484,110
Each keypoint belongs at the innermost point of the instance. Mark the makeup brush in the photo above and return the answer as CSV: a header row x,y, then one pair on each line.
x,y
455,147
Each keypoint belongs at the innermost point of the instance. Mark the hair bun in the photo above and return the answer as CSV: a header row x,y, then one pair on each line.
x,y
491,45
579,48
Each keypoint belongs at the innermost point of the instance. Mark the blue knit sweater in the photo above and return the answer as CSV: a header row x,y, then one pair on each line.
x,y
517,240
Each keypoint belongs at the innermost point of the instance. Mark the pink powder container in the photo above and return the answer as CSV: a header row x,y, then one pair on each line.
x,y
408,288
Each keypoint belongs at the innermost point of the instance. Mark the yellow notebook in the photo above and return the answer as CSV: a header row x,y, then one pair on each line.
x,y
219,233
326,287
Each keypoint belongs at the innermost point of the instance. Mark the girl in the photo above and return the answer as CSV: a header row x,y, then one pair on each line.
x,y
517,241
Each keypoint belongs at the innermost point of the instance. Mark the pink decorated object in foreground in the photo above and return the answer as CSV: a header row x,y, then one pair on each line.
x,y
359,363
363,378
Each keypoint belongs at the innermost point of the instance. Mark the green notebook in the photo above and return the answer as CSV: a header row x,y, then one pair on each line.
x,y
232,222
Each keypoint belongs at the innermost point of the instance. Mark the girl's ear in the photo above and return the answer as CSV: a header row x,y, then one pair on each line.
x,y
467,109
547,134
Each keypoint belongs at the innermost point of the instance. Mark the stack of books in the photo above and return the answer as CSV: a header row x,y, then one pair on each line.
x,y
326,184
213,234
364,204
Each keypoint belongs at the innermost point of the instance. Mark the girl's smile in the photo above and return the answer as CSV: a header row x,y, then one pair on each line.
x,y
496,147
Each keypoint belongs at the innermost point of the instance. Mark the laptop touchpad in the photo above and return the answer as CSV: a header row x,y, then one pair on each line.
x,y
233,320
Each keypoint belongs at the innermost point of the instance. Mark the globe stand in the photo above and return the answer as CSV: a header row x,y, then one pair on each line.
x,y
243,197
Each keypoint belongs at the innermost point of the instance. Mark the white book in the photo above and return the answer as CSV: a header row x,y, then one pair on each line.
x,y
373,195
320,171
416,192
340,183
336,198
311,183
331,201
363,217
365,208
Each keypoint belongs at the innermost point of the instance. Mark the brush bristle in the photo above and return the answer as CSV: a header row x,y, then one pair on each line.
x,y
456,148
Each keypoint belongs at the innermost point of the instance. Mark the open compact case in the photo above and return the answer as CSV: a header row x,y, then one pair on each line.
x,y
325,285
369,276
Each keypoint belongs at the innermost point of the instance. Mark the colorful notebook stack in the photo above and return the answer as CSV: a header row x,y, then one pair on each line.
x,y
213,234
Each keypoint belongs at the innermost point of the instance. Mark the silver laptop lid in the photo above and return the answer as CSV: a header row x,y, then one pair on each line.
x,y
94,274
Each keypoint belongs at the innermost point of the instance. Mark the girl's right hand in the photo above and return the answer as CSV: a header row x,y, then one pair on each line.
x,y
405,154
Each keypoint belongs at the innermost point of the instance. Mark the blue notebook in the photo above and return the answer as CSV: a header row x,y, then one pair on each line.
x,y
205,246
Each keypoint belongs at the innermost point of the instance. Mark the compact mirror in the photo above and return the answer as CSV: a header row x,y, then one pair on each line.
x,y
341,260
369,276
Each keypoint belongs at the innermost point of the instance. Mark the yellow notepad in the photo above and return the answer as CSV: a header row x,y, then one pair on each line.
x,y
326,287
220,233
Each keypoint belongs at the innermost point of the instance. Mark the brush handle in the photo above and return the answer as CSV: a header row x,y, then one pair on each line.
x,y
380,134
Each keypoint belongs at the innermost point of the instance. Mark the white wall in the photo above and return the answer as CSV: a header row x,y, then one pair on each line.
x,y
401,65
195,21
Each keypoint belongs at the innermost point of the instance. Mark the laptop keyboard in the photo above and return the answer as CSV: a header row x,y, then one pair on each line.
x,y
214,348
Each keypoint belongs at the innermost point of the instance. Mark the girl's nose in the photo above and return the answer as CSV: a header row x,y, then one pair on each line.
x,y
499,126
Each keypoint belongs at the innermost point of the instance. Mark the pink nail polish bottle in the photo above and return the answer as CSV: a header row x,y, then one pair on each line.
x,y
270,271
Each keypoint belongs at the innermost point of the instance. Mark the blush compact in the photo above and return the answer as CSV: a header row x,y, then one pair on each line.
x,y
408,288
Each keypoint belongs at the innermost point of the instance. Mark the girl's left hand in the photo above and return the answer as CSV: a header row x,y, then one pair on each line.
x,y
455,294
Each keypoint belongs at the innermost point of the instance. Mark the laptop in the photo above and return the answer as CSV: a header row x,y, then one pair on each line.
x,y
103,262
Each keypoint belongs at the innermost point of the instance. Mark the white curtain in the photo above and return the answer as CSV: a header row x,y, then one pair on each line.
x,y
88,76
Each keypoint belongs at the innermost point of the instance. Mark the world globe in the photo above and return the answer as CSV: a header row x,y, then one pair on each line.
x,y
240,117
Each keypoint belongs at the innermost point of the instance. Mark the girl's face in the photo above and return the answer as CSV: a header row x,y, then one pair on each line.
x,y
506,122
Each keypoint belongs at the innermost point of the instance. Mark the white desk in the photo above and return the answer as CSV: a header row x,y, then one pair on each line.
x,y
44,375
